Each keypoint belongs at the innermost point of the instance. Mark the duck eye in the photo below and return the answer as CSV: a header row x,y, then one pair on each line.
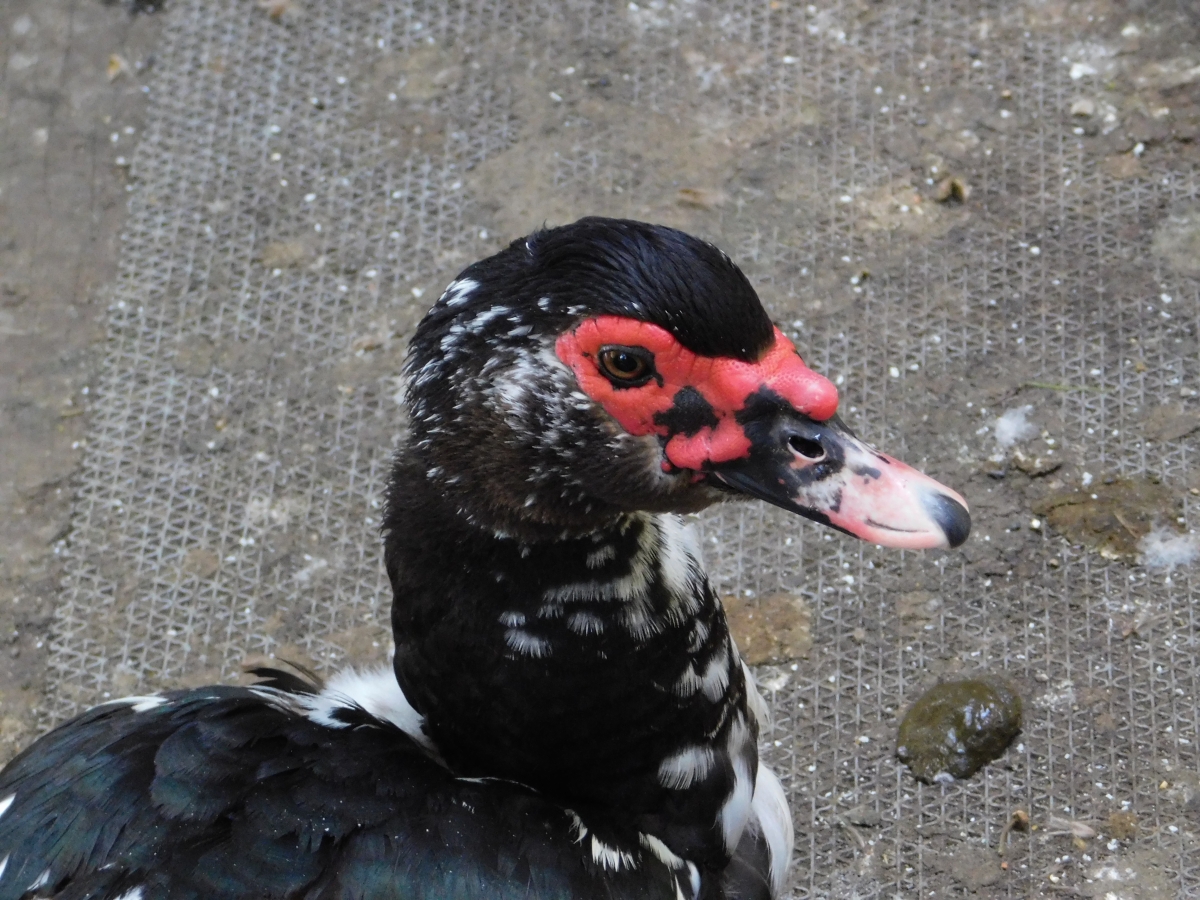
x,y
626,366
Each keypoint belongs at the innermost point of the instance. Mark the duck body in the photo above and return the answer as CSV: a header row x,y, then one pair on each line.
x,y
567,714
267,792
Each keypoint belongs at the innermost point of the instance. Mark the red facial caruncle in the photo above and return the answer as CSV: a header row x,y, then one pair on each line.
x,y
765,428
723,383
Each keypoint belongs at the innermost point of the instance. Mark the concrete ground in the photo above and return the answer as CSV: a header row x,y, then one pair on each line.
x,y
71,106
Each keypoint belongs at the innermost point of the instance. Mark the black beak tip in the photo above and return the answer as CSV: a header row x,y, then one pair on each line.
x,y
951,515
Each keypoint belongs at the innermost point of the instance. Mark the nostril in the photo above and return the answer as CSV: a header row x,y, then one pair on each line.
x,y
806,448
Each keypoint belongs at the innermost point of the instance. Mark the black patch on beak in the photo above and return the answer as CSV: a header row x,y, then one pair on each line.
x,y
689,413
953,518
778,435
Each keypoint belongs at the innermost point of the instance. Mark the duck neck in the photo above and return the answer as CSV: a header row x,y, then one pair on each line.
x,y
597,669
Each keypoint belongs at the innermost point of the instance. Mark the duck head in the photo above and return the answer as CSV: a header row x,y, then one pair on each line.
x,y
609,366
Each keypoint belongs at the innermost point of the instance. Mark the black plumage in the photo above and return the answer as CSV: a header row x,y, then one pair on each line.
x,y
605,715
218,792
567,714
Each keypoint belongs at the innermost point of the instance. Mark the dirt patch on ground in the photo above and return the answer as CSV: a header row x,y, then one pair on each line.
x,y
770,630
1113,516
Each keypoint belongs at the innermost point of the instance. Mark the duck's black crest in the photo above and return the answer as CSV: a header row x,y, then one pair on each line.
x,y
658,274
619,267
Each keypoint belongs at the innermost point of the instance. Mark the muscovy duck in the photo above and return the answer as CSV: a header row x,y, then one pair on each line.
x,y
567,714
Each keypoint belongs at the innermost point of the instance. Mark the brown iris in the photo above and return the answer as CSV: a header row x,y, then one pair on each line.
x,y
626,366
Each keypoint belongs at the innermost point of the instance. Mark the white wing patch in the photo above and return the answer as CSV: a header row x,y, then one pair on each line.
x,y
527,644
661,851
375,691
134,893
139,704
715,680
736,810
585,623
602,554
607,857
769,813
577,826
683,769
676,864
688,683
6,803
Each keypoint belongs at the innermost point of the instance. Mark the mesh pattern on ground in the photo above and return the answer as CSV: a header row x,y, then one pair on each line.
x,y
282,229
